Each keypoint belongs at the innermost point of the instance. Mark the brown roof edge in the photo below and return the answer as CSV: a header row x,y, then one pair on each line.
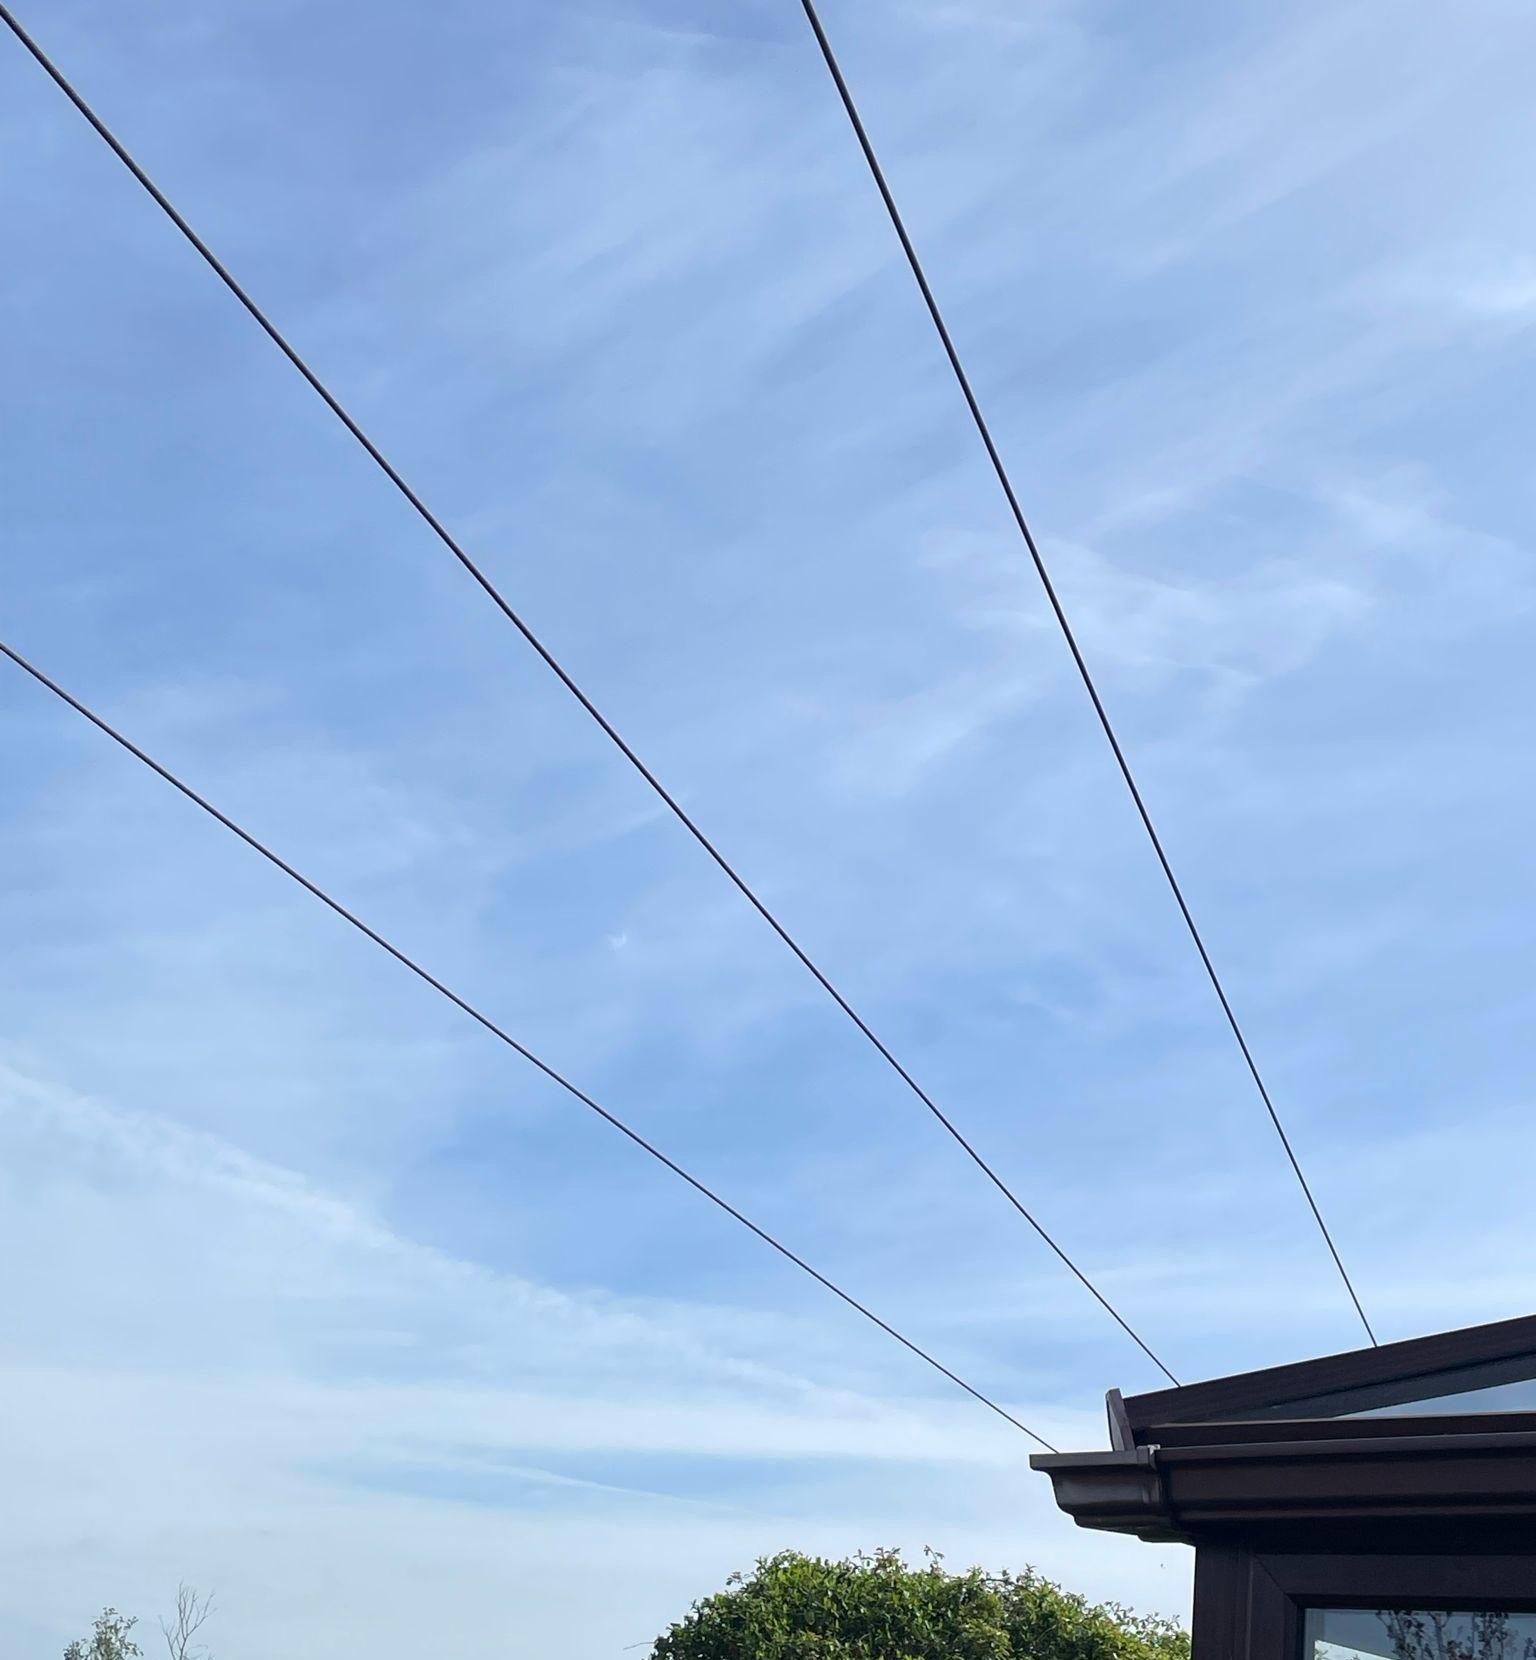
x,y
1468,1491
1115,1492
1393,1374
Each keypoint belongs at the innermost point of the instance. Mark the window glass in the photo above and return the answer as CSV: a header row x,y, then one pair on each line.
x,y
1497,1397
1417,1634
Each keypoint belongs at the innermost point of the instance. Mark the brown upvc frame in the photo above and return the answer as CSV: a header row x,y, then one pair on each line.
x,y
1250,1605
1356,1487
1362,1380
1290,1508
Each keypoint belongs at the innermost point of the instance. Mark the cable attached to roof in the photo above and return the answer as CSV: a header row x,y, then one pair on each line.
x,y
442,533
998,467
466,1007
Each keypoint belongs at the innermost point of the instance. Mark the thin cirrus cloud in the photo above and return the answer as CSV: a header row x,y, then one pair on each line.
x,y
321,1299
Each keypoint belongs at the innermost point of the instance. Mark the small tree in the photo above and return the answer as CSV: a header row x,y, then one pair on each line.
x,y
111,1636
877,1608
192,1614
110,1639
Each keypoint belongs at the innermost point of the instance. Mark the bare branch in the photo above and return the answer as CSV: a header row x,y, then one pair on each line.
x,y
192,1614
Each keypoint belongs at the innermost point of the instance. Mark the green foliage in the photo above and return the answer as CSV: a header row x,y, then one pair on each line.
x,y
877,1608
110,1639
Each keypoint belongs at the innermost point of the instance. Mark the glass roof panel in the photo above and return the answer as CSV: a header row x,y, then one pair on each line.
x,y
1497,1397
1489,1368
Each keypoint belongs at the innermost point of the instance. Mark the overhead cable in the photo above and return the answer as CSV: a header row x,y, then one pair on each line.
x,y
449,541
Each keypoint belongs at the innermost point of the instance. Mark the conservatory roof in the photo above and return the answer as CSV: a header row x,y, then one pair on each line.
x,y
1479,1369
1413,1442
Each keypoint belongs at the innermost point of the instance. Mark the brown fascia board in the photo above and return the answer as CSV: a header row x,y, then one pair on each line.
x,y
1355,1491
1359,1380
1278,1431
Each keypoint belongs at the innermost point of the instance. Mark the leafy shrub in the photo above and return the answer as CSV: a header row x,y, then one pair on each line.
x,y
798,1607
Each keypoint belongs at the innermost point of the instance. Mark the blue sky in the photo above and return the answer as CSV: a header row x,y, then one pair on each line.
x,y
317,1296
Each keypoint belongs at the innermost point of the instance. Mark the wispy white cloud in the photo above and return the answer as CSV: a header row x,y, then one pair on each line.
x,y
317,1294
255,1365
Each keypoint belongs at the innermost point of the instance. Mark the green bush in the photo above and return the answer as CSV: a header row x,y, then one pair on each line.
x,y
110,1639
798,1607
